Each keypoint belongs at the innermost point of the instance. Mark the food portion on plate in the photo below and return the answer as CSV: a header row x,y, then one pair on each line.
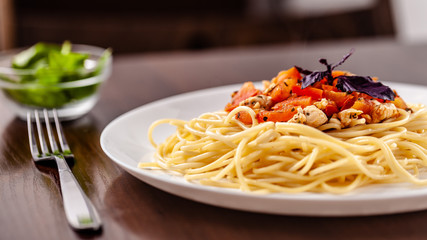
x,y
305,131
318,98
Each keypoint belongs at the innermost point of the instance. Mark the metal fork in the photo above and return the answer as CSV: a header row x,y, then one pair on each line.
x,y
79,210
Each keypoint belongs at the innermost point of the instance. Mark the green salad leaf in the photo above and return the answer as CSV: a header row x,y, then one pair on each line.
x,y
28,58
51,64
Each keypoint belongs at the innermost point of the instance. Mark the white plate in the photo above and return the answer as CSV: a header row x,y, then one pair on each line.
x,y
125,141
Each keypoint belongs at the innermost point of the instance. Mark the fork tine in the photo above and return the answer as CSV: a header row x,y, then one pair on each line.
x,y
62,141
52,141
43,144
31,137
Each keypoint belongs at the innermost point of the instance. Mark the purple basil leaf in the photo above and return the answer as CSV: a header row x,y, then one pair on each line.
x,y
312,78
303,71
365,85
323,61
343,59
317,76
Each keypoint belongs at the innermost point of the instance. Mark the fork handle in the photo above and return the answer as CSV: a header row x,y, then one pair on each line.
x,y
79,210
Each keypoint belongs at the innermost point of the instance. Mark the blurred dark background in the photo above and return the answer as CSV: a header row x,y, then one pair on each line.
x,y
148,26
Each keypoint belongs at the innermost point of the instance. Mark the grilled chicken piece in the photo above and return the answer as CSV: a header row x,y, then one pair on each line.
x,y
321,104
257,102
310,115
314,116
299,117
348,115
383,111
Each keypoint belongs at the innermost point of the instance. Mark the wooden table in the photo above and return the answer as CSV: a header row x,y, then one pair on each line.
x,y
30,201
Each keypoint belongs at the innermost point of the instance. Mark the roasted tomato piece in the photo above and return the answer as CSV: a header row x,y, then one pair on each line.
x,y
282,90
340,98
248,90
330,88
282,115
291,73
348,102
303,101
315,93
364,105
320,83
331,108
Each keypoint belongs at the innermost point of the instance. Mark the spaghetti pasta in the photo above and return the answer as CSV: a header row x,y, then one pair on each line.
x,y
216,149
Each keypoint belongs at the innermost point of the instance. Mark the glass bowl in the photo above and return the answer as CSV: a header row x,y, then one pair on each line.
x,y
72,99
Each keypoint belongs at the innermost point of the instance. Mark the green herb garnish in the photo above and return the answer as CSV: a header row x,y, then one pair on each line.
x,y
49,65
